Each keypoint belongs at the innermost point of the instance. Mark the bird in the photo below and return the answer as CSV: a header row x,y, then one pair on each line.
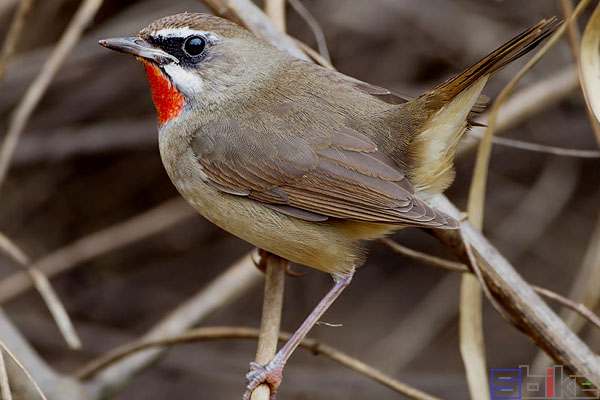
x,y
302,161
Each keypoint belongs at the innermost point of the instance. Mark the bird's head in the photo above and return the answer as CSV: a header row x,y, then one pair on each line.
x,y
195,60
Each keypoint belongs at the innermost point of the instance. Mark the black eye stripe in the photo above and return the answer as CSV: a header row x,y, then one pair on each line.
x,y
188,50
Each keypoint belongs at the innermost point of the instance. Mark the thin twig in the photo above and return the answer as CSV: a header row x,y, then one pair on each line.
x,y
540,148
224,289
13,35
528,102
454,266
318,58
43,378
424,257
84,15
579,308
22,368
585,289
271,317
4,383
235,332
314,27
109,239
45,289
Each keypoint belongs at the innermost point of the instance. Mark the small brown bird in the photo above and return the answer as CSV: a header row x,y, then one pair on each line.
x,y
299,160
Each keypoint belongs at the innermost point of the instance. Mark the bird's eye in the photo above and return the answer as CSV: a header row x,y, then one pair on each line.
x,y
194,46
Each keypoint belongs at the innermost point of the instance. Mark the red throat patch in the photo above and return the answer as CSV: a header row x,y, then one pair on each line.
x,y
166,97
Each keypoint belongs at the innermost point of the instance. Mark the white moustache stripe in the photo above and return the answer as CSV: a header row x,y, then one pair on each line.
x,y
185,80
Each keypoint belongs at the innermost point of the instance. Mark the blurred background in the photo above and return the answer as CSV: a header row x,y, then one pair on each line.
x,y
88,159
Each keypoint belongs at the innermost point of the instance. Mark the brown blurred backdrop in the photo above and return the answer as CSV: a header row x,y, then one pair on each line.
x,y
89,159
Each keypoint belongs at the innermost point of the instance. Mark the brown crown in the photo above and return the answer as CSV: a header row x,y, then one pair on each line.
x,y
198,21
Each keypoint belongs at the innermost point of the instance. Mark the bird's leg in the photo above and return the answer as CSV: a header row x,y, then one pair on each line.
x,y
271,373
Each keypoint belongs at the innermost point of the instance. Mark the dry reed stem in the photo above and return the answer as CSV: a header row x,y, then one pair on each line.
x,y
224,289
45,289
531,315
471,338
471,325
84,15
234,332
13,35
588,62
476,200
271,317
574,37
275,9
98,243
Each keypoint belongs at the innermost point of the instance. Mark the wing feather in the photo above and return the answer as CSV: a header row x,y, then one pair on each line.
x,y
340,175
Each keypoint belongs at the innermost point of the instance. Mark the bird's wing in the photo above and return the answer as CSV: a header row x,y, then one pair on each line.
x,y
339,175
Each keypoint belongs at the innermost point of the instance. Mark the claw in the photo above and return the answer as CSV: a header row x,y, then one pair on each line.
x,y
261,264
270,374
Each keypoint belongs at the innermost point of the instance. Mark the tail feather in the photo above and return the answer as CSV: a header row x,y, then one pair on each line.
x,y
453,103
500,58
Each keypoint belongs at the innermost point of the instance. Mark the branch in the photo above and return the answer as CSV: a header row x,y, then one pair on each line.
x,y
531,315
45,289
271,316
14,34
234,332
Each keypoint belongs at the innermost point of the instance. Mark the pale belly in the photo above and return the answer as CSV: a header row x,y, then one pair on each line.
x,y
332,246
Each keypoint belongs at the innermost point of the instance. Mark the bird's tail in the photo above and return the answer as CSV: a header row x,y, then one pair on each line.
x,y
452,103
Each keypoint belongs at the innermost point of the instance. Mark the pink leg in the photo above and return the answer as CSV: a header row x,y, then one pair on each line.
x,y
271,372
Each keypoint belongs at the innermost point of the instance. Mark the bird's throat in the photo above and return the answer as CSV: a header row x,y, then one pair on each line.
x,y
166,97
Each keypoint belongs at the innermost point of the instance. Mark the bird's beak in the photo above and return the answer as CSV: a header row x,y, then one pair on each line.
x,y
138,47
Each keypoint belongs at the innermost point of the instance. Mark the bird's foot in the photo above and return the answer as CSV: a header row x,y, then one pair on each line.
x,y
261,264
270,373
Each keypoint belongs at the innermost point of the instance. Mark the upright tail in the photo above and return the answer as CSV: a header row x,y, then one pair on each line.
x,y
450,105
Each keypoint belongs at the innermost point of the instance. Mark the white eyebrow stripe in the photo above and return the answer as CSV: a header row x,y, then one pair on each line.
x,y
185,31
